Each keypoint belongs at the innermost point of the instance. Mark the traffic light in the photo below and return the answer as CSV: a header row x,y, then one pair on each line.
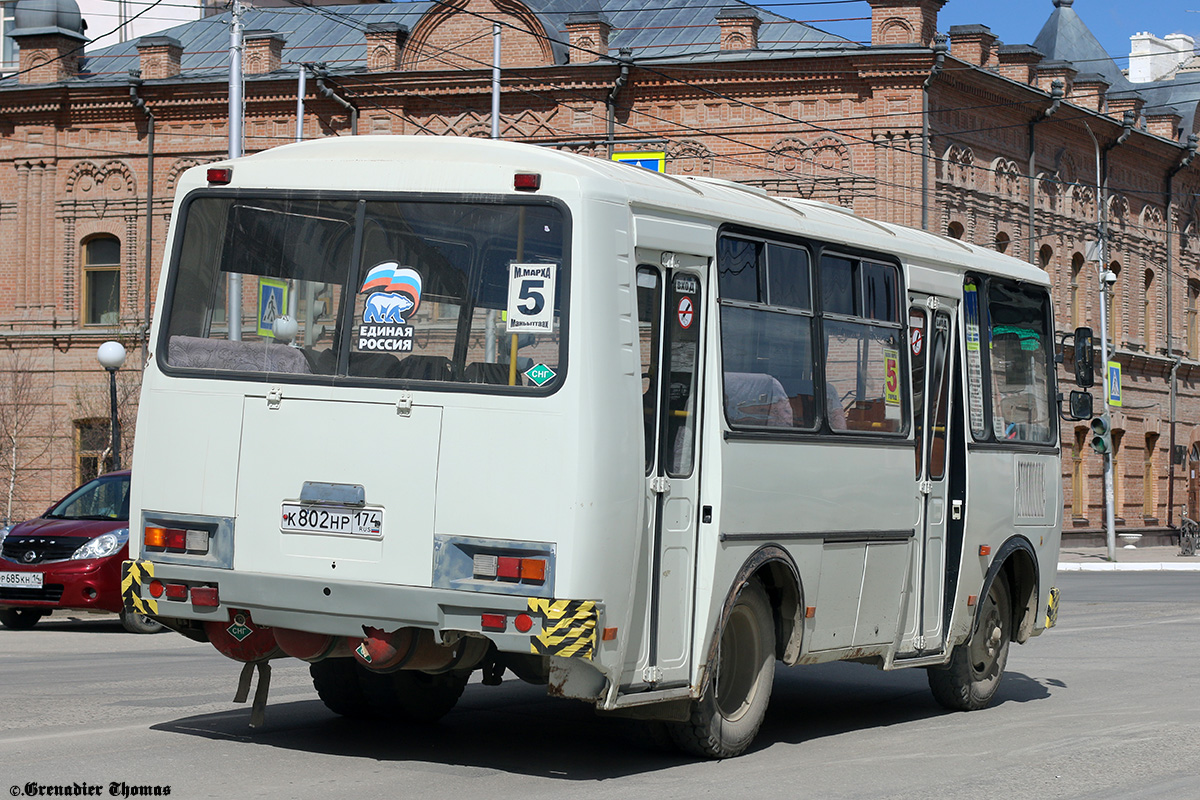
x,y
1102,435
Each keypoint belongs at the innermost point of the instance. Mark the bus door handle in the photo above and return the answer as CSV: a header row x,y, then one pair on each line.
x,y
956,509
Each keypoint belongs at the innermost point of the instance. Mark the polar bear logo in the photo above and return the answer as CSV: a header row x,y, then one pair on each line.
x,y
383,307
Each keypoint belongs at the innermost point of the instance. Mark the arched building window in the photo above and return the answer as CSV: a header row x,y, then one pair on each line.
x,y
1193,335
1078,478
101,281
1149,478
1148,310
955,230
1002,242
1076,300
1113,299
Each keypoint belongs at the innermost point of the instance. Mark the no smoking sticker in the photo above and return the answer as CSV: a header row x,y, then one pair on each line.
x,y
917,339
686,312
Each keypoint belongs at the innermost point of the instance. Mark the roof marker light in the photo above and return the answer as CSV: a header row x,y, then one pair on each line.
x,y
526,181
221,175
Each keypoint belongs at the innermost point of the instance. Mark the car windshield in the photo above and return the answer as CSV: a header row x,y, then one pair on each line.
x,y
106,497
338,288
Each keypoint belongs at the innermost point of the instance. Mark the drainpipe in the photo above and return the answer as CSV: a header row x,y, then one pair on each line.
x,y
135,81
321,74
611,101
939,58
1056,97
1192,142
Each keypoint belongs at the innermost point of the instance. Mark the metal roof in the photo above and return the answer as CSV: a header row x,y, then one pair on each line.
x,y
335,35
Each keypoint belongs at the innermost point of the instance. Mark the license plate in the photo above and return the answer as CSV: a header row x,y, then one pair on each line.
x,y
21,580
297,518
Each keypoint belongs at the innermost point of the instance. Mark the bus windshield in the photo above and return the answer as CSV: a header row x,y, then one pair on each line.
x,y
340,288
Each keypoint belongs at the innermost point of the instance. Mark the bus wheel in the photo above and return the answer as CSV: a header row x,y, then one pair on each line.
x,y
336,681
20,619
725,720
972,677
413,696
140,623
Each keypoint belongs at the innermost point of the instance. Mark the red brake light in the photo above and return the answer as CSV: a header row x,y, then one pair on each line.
x,y
177,591
527,181
221,175
509,567
156,588
493,622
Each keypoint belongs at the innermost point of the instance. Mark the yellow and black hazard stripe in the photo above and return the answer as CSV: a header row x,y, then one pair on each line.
x,y
568,627
1052,609
135,575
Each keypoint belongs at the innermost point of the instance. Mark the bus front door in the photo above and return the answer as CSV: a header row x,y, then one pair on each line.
x,y
672,321
931,325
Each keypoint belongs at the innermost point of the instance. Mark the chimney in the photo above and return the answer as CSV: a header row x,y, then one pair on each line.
x,y
739,28
1049,71
588,32
50,40
1018,62
1164,122
384,43
159,56
264,52
974,44
1090,88
911,22
1120,102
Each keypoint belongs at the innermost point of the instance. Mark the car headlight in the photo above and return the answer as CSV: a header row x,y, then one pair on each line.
x,y
103,545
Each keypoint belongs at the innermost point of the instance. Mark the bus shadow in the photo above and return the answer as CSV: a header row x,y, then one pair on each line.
x,y
517,729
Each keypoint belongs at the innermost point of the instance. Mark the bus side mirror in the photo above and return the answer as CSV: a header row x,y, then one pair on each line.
x,y
1080,406
1085,370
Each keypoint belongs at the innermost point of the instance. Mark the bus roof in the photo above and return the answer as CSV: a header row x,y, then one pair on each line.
x,y
487,166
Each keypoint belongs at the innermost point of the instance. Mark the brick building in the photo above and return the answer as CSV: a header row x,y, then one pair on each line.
x,y
899,129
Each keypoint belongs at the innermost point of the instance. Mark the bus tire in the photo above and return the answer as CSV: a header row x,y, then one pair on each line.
x,y
140,623
413,696
20,619
970,680
337,684
725,720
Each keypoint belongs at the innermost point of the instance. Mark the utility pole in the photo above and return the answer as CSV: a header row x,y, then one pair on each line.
x,y
233,315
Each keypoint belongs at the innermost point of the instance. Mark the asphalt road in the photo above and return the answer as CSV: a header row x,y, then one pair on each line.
x,y
1103,706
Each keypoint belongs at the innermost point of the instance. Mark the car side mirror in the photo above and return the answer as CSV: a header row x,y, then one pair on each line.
x,y
1085,370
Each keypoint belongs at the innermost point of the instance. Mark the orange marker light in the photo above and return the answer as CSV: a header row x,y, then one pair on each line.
x,y
609,635
810,612
156,537
533,569
985,549
973,599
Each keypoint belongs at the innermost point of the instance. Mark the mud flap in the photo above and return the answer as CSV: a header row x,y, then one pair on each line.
x,y
135,575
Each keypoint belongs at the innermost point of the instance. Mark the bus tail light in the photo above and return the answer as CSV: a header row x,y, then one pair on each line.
x,y
175,540
493,622
205,596
220,175
509,568
527,181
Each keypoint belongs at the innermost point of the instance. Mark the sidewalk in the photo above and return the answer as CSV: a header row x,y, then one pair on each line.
x,y
1143,559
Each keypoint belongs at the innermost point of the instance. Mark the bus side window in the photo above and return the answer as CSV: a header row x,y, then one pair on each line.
x,y
766,334
863,364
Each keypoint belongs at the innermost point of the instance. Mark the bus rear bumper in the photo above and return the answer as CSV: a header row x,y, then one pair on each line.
x,y
533,625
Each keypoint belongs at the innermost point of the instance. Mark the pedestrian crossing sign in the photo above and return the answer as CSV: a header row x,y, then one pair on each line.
x,y
272,303
655,162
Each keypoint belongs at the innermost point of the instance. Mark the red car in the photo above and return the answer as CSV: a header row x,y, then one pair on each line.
x,y
70,557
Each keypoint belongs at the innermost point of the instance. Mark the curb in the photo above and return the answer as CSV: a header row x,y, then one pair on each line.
x,y
1166,566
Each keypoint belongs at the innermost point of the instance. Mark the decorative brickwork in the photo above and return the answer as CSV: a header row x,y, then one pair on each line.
x,y
588,33
264,52
904,21
160,57
385,40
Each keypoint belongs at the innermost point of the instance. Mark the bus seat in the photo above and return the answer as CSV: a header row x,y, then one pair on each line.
x,y
752,398
255,356
484,372
425,368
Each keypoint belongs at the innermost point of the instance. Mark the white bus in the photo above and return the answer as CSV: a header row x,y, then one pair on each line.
x,y
637,437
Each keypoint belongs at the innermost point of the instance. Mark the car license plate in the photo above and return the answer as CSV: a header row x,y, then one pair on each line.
x,y
344,520
21,580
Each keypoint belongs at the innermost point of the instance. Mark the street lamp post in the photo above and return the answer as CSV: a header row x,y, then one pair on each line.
x,y
111,356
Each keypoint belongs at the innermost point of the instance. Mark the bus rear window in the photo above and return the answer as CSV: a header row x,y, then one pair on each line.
x,y
372,289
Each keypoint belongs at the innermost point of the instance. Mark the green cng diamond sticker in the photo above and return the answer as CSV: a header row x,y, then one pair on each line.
x,y
239,632
538,374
